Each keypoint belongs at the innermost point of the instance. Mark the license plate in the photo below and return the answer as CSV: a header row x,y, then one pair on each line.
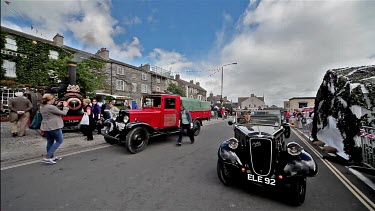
x,y
260,179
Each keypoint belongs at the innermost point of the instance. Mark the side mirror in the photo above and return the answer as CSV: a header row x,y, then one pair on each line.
x,y
230,123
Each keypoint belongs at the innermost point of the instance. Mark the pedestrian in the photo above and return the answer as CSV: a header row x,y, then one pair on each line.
x,y
105,111
287,116
113,110
88,129
19,112
52,125
96,114
185,123
223,113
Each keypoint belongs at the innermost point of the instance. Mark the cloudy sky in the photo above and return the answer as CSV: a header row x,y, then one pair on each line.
x,y
282,48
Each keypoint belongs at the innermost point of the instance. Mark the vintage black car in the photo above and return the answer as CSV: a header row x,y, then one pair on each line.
x,y
259,154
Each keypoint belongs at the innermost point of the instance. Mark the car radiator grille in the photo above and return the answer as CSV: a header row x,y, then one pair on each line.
x,y
261,156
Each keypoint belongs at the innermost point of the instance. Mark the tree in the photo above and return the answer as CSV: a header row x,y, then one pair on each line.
x,y
175,89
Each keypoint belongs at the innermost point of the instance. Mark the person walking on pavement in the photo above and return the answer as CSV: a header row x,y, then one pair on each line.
x,y
88,129
96,113
19,112
185,123
52,125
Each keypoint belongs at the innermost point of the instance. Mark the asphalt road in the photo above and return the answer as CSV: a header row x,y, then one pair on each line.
x,y
163,177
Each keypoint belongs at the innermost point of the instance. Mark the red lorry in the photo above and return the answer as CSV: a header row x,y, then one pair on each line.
x,y
159,115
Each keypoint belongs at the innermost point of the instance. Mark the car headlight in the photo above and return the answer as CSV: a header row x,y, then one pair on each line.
x,y
233,143
294,148
126,119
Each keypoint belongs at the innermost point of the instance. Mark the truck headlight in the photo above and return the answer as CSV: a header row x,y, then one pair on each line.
x,y
294,148
126,119
233,143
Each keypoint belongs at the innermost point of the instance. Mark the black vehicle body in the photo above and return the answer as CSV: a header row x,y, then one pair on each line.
x,y
259,154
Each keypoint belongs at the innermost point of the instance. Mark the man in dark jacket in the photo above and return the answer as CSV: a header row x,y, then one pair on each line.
x,y
185,123
19,112
96,113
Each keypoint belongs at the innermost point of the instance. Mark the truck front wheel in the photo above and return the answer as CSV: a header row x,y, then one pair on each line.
x,y
137,140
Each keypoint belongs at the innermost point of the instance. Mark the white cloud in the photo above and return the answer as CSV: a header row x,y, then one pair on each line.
x,y
132,21
293,45
90,22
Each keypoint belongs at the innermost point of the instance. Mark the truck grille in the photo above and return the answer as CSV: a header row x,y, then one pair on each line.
x,y
261,155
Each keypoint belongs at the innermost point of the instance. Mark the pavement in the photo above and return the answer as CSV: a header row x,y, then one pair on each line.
x,y
33,145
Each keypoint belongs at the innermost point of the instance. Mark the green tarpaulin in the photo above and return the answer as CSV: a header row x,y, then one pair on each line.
x,y
195,105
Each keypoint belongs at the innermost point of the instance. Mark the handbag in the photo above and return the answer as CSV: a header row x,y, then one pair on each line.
x,y
37,121
85,120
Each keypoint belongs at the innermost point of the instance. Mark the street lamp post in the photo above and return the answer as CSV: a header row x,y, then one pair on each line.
x,y
222,78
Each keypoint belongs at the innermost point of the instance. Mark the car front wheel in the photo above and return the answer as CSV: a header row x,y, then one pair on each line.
x,y
298,191
224,175
137,140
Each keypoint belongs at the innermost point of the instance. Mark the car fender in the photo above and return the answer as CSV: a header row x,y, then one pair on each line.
x,y
228,156
132,125
300,165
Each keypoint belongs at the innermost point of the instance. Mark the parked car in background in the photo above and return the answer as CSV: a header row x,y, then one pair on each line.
x,y
258,154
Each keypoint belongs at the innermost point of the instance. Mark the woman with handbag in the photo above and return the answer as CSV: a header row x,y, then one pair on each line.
x,y
52,125
87,129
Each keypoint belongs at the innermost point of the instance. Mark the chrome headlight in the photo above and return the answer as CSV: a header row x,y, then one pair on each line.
x,y
126,119
294,148
233,143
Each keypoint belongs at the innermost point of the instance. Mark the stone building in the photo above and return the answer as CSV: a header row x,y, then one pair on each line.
x,y
252,103
297,103
160,78
191,90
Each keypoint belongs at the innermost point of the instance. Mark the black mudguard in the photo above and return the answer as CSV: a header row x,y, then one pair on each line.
x,y
228,156
300,165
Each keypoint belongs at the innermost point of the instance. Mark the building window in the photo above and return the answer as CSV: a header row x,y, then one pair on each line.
x,y
157,80
144,88
134,88
199,97
10,68
158,89
53,55
120,71
10,43
302,104
120,85
144,76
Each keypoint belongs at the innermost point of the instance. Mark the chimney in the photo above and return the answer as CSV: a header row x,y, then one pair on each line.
x,y
197,83
191,81
58,39
146,67
177,76
104,53
72,68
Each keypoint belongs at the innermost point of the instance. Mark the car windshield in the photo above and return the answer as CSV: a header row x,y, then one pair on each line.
x,y
259,118
152,102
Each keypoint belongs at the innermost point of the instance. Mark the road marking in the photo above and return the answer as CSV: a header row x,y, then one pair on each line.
x,y
62,155
356,192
